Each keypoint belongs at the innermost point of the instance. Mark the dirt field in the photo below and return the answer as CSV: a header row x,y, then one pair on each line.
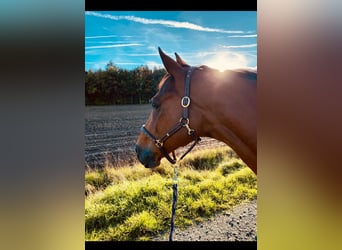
x,y
111,133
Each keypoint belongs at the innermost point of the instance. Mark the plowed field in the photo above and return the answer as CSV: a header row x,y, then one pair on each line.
x,y
111,133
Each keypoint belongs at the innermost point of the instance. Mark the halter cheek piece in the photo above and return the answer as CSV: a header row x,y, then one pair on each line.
x,y
183,123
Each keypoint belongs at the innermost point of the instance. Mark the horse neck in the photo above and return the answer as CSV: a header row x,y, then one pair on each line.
x,y
227,106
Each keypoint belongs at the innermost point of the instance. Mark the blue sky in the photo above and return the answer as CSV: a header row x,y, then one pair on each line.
x,y
219,39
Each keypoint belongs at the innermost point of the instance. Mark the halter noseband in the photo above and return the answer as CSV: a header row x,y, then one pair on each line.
x,y
183,122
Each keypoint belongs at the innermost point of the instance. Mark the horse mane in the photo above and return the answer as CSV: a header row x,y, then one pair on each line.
x,y
248,73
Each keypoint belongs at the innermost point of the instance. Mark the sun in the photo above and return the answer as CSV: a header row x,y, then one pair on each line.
x,y
226,60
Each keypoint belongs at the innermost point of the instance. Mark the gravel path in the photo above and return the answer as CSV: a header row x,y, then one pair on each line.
x,y
237,224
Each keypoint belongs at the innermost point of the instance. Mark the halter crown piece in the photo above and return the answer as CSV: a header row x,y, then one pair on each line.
x,y
183,123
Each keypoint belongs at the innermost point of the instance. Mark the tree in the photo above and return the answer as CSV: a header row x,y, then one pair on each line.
x,y
120,86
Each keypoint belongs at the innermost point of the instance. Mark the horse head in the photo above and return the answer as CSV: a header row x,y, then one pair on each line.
x,y
171,123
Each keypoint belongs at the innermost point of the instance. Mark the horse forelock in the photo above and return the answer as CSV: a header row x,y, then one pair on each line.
x,y
163,80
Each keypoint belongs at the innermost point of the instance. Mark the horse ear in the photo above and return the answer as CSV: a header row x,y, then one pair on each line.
x,y
171,66
180,60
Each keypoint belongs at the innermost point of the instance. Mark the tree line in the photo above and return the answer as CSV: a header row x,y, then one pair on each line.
x,y
120,86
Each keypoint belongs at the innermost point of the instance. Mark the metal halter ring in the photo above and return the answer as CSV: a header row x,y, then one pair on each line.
x,y
184,121
185,102
159,144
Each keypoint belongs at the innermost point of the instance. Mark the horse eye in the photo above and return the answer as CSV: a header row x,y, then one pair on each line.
x,y
154,105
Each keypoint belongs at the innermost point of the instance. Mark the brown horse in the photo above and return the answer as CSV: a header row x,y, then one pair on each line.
x,y
194,102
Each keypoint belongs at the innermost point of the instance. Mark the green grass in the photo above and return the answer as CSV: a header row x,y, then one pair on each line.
x,y
134,203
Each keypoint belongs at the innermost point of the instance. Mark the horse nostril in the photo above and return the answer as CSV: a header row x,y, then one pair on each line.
x,y
137,149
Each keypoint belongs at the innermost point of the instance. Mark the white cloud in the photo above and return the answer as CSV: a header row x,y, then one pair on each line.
x,y
94,37
168,23
113,46
244,36
152,64
239,46
97,66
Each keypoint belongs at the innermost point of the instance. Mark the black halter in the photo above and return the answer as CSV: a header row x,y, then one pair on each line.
x,y
183,122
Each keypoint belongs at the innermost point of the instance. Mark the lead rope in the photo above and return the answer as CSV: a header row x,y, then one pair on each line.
x,y
185,102
174,201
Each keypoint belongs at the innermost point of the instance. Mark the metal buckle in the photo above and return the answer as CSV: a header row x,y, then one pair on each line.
x,y
185,102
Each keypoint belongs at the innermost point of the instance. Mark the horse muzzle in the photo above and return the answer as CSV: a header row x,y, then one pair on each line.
x,y
146,157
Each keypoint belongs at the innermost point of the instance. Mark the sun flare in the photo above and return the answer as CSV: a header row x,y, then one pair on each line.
x,y
226,60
